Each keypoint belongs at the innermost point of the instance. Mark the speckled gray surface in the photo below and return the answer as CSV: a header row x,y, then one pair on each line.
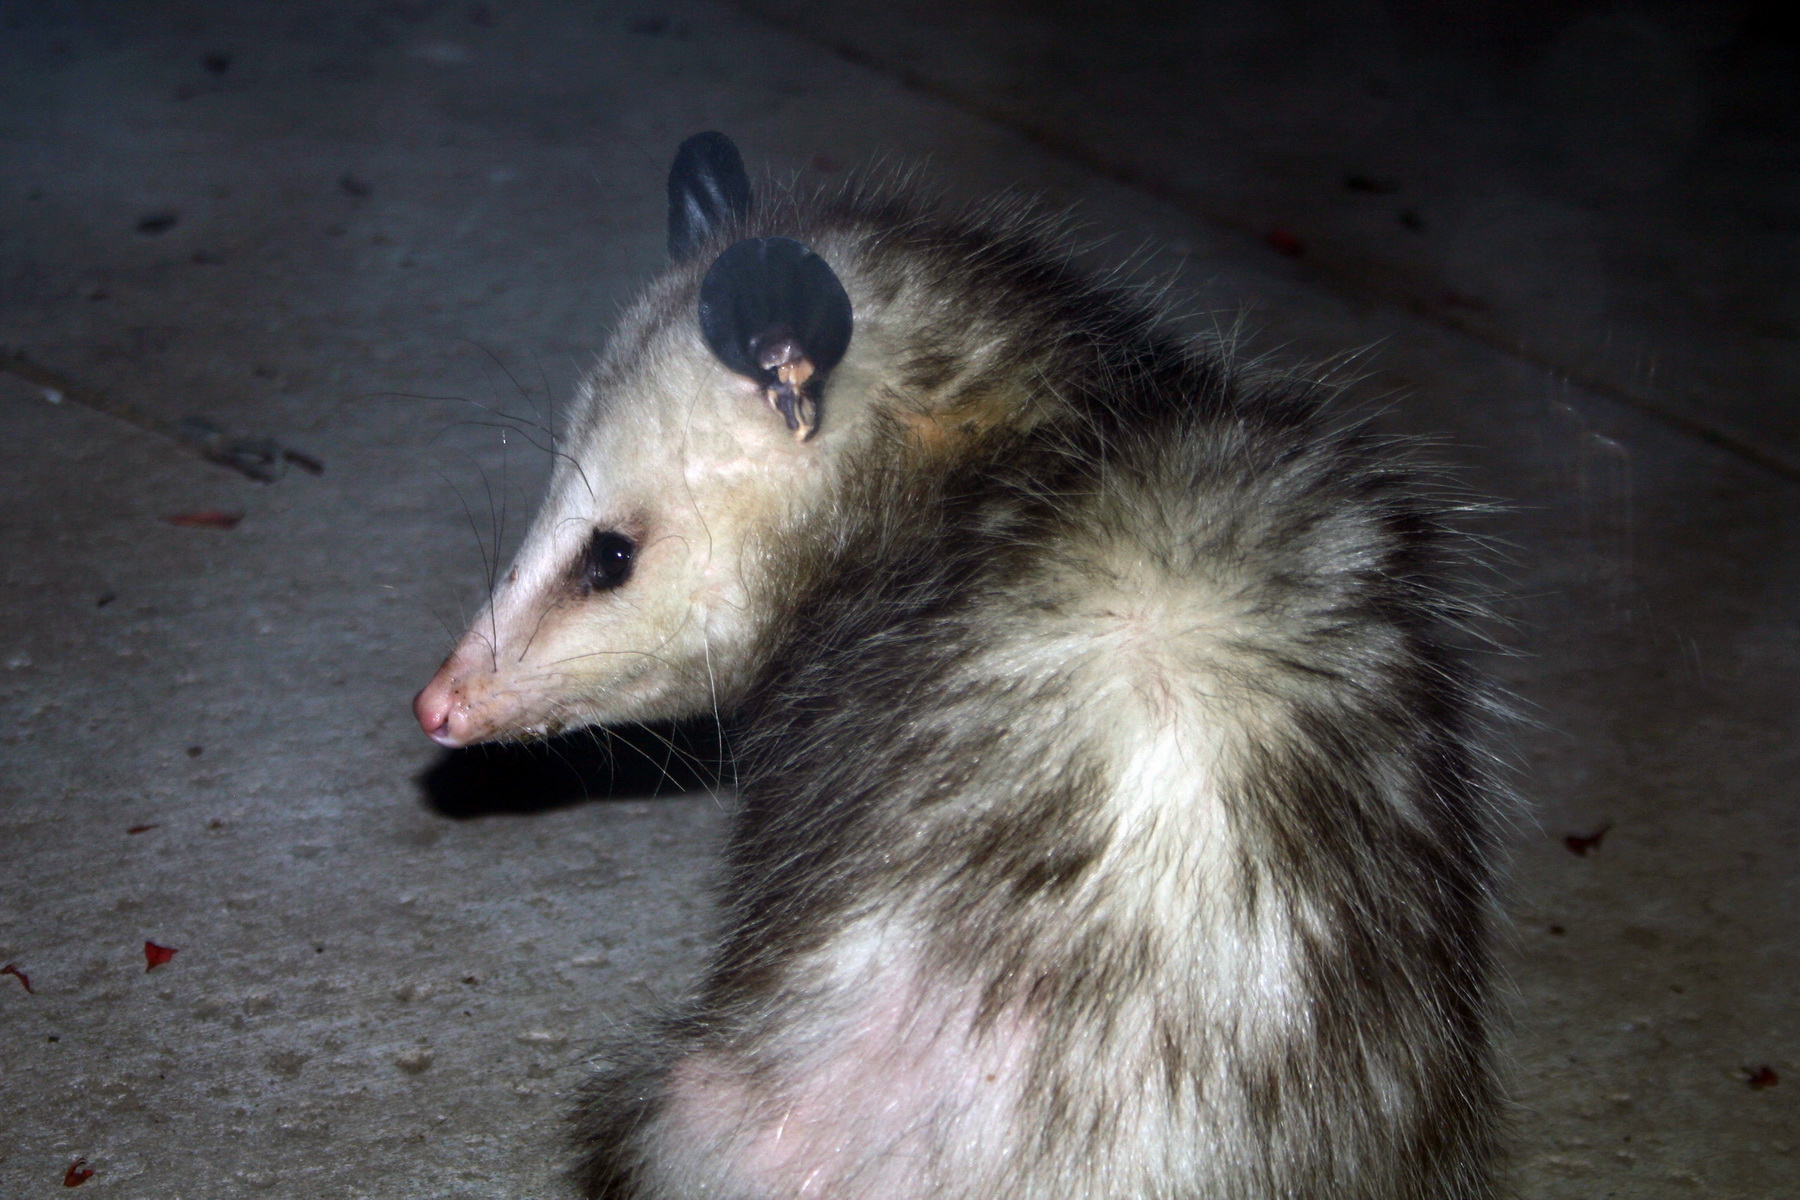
x,y
381,209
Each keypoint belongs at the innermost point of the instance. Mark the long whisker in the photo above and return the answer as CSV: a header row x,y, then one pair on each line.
x,y
475,529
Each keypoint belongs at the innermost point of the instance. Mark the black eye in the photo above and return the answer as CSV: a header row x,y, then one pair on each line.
x,y
607,562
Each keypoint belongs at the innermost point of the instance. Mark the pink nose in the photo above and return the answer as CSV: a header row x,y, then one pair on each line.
x,y
441,711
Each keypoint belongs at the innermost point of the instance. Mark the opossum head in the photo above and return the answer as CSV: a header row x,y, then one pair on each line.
x,y
712,427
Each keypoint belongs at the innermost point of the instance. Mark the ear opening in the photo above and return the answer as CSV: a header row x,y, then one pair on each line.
x,y
708,189
775,312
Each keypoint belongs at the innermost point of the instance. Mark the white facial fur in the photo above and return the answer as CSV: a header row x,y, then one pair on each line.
x,y
685,458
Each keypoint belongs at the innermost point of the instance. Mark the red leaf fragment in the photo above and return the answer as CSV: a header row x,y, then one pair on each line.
x,y
155,955
1761,1076
205,518
142,828
13,970
1582,844
78,1173
1285,241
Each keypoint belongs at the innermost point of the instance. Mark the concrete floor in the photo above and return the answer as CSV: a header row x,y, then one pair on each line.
x,y
361,228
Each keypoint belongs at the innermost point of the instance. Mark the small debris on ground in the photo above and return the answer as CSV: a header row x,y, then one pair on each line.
x,y
142,828
78,1173
13,970
1760,1076
158,222
413,1062
1583,844
262,459
155,955
305,462
206,518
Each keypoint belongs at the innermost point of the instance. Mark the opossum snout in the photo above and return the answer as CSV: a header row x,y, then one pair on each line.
x,y
443,709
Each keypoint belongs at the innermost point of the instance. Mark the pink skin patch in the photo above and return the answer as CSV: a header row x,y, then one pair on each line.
x,y
443,708
904,1100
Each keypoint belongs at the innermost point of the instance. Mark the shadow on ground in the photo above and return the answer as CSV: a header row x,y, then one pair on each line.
x,y
630,763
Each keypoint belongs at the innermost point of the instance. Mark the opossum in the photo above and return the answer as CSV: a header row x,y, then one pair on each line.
x,y
1113,816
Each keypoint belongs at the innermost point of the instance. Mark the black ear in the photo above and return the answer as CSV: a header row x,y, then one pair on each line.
x,y
772,311
707,189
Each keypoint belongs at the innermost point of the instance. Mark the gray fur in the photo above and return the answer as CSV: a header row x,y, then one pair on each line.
x,y
1106,736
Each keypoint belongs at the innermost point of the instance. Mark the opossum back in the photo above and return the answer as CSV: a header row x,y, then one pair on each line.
x,y
1113,820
